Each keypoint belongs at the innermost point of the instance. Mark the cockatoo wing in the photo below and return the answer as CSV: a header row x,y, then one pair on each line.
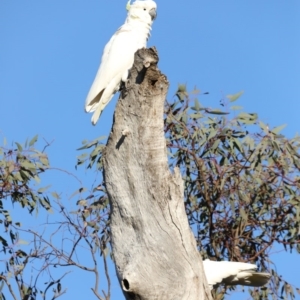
x,y
233,273
249,279
117,59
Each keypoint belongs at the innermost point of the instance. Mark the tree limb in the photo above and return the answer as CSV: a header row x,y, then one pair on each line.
x,y
153,246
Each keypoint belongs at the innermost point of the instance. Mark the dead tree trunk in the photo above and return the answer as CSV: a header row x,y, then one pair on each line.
x,y
153,246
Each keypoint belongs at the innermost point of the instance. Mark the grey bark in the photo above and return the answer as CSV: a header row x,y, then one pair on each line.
x,y
153,246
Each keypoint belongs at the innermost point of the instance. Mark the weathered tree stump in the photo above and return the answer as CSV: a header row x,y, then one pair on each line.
x,y
153,246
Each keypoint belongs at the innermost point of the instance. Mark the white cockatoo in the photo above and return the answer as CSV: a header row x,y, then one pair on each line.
x,y
118,55
233,273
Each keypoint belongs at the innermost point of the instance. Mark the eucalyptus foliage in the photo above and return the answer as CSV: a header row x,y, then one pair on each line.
x,y
20,167
56,237
241,182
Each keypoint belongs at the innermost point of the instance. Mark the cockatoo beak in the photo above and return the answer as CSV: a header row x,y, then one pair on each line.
x,y
153,14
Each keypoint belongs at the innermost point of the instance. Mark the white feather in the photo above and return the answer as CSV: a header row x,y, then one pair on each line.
x,y
118,56
233,273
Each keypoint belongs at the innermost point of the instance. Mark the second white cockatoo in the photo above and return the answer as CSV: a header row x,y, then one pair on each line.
x,y
233,273
118,55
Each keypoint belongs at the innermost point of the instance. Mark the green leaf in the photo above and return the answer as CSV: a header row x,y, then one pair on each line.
x,y
37,179
236,107
3,241
216,112
43,189
243,214
93,143
238,145
20,148
247,118
45,203
44,160
234,97
197,104
28,165
97,151
181,92
196,116
216,144
81,202
55,195
212,134
277,129
82,156
264,127
22,242
11,166
79,191
33,140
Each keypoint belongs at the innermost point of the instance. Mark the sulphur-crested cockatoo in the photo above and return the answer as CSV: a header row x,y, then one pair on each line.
x,y
233,273
118,55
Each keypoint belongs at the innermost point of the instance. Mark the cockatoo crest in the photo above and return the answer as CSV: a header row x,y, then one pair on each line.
x,y
118,55
128,5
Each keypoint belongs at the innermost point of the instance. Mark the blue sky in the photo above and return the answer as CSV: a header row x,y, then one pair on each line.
x,y
50,52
